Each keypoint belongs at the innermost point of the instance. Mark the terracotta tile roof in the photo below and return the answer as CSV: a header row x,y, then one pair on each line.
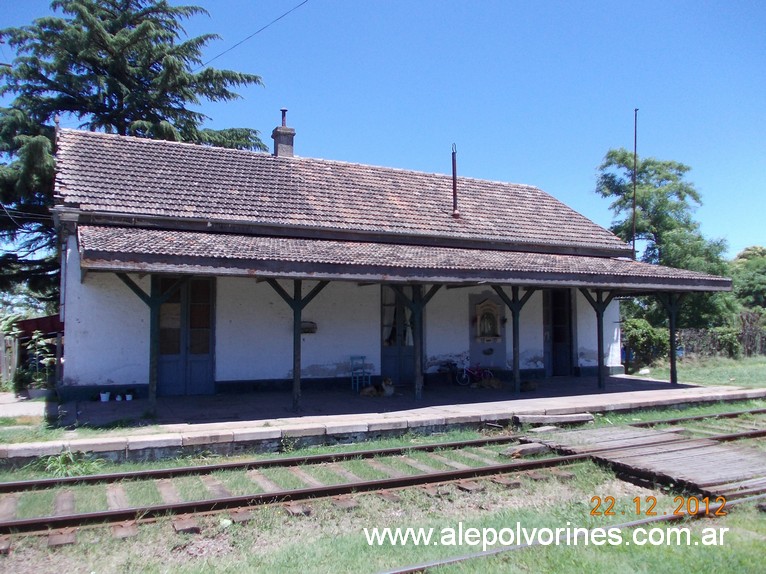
x,y
135,249
140,177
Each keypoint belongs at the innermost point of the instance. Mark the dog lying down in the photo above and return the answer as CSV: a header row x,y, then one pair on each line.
x,y
492,383
384,389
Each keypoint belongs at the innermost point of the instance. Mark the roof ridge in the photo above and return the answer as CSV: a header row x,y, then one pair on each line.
x,y
159,142
109,174
218,149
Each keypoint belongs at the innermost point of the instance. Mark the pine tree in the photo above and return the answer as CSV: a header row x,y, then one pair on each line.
x,y
119,66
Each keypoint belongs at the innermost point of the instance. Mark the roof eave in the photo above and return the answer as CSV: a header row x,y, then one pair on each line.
x,y
212,225
263,269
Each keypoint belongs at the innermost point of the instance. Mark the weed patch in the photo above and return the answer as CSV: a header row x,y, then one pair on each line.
x,y
68,463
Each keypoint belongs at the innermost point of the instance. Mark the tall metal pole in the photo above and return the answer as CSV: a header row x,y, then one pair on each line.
x,y
455,212
635,167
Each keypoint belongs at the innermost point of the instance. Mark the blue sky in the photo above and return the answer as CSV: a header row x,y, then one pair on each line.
x,y
531,92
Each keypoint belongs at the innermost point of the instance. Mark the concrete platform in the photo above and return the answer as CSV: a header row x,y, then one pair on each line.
x,y
264,421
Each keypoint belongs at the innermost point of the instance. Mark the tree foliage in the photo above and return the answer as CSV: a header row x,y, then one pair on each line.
x,y
664,201
749,275
645,342
665,225
120,66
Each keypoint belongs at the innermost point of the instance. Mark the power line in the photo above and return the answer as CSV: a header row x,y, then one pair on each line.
x,y
16,223
293,9
14,215
2,53
19,212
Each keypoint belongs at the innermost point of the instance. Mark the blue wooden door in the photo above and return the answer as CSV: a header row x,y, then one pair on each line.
x,y
186,337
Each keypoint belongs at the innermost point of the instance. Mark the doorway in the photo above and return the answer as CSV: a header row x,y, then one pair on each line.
x,y
397,356
557,311
186,354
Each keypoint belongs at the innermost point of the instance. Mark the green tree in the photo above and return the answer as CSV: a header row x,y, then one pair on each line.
x,y
749,275
665,226
685,249
664,201
121,66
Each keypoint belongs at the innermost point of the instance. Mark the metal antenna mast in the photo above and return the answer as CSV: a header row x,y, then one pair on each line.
x,y
635,167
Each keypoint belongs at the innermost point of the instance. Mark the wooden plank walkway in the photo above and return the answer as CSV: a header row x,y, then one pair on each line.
x,y
700,465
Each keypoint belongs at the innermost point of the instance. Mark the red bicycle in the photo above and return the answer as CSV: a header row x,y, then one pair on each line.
x,y
472,375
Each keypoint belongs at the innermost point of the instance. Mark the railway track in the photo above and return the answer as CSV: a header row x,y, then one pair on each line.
x,y
237,487
719,416
401,468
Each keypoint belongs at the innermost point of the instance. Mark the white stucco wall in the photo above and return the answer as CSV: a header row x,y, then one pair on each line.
x,y
612,339
106,327
531,333
448,328
254,330
587,338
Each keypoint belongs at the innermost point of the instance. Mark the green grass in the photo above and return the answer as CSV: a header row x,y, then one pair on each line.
x,y
90,498
35,471
141,493
30,433
332,540
24,420
191,488
36,503
283,478
747,372
237,482
363,470
677,411
741,552
34,429
68,463
397,464
324,475
456,456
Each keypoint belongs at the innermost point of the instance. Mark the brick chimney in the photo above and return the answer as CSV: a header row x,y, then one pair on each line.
x,y
283,138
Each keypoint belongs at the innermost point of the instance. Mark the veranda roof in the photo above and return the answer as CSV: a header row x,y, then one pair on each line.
x,y
124,249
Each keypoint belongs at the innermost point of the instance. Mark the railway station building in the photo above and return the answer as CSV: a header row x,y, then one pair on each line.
x,y
192,270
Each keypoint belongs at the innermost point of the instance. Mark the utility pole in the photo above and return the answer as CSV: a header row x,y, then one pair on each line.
x,y
635,167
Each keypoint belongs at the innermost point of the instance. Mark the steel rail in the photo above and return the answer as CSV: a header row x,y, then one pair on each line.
x,y
45,483
426,566
229,502
40,484
214,504
726,415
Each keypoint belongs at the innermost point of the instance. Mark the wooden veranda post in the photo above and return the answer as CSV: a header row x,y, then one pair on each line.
x,y
297,303
515,305
416,305
417,332
599,305
672,304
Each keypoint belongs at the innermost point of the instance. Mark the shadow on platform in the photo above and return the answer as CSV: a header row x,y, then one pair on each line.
x,y
265,405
